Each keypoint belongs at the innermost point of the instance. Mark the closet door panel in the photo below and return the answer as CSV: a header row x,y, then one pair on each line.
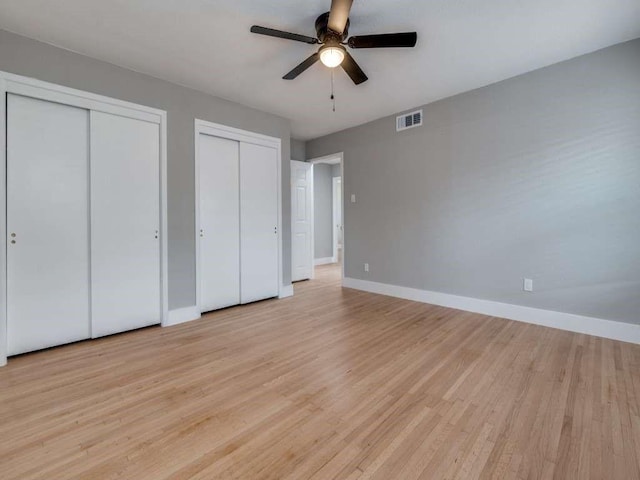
x,y
219,222
125,223
48,224
258,222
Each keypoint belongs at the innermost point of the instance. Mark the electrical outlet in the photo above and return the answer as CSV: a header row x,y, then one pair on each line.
x,y
366,267
527,285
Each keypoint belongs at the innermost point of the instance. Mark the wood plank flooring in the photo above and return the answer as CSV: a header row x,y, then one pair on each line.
x,y
330,384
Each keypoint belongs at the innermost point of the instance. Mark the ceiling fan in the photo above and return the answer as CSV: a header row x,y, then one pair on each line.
x,y
332,29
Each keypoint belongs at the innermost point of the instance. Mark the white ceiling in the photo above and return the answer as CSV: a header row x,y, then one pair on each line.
x,y
206,44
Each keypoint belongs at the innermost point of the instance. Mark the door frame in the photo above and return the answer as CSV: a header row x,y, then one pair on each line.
x,y
327,159
30,87
223,131
312,233
335,181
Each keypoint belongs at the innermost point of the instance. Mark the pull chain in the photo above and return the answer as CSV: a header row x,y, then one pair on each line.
x,y
333,97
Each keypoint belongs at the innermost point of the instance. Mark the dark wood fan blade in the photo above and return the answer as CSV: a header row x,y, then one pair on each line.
x,y
280,34
385,40
302,67
354,71
339,14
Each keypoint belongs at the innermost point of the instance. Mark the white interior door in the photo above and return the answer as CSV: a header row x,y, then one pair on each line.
x,y
258,222
219,233
47,223
301,220
125,223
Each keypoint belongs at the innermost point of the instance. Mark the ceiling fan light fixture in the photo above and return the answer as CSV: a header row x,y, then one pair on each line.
x,y
331,56
332,33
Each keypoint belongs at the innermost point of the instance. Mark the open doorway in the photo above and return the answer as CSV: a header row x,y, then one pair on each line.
x,y
328,207
317,218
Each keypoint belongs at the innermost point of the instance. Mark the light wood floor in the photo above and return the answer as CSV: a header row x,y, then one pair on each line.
x,y
332,383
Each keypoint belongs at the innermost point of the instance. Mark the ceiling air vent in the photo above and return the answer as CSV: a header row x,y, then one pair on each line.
x,y
409,120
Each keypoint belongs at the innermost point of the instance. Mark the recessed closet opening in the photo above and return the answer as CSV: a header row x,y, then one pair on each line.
x,y
82,216
238,216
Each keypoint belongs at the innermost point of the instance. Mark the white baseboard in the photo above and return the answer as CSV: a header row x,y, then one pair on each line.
x,y
286,291
598,327
182,315
324,261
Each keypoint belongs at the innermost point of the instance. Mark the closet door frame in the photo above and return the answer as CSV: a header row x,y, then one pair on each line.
x,y
217,130
29,87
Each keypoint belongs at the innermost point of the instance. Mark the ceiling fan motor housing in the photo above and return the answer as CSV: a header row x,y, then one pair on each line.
x,y
325,35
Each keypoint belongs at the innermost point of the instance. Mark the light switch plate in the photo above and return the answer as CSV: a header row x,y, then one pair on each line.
x,y
353,198
527,285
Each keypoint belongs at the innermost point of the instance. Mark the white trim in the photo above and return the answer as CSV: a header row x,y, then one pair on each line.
x,y
30,87
334,159
313,227
626,332
3,222
164,223
324,261
343,261
182,315
231,133
287,291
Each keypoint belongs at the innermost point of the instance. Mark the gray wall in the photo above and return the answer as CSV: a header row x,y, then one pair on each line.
x,y
34,59
298,150
322,211
537,176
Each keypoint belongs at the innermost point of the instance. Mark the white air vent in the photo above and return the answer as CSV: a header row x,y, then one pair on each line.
x,y
409,120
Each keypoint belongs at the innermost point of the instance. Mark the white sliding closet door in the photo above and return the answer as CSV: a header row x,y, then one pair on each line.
x,y
125,223
219,233
258,222
48,224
